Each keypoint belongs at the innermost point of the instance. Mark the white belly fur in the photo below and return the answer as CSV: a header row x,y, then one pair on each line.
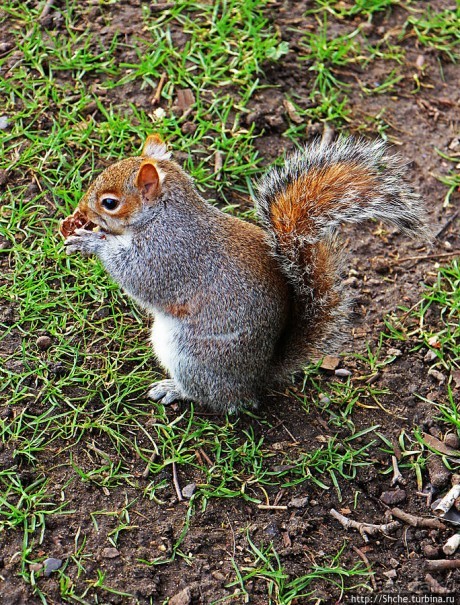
x,y
164,340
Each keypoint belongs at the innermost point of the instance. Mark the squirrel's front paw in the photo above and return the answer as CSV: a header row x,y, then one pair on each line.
x,y
165,392
85,242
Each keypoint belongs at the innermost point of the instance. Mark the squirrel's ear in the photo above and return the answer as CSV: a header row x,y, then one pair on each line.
x,y
148,181
155,148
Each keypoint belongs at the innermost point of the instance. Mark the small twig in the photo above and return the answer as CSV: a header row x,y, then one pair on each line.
x,y
428,495
446,503
367,564
271,507
364,528
99,452
424,257
428,523
328,134
397,476
218,165
451,545
46,9
450,220
157,96
278,497
180,497
186,114
146,471
442,564
205,456
161,6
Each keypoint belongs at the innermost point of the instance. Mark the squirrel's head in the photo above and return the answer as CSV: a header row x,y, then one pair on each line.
x,y
123,192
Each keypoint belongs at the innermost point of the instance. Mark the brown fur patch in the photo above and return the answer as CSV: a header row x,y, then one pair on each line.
x,y
178,310
318,192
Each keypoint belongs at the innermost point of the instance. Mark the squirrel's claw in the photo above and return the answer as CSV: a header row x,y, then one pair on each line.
x,y
165,392
85,242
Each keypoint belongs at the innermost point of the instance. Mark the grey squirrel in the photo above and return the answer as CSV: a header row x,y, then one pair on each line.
x,y
238,307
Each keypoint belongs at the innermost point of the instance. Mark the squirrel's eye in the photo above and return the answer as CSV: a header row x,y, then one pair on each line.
x,y
109,203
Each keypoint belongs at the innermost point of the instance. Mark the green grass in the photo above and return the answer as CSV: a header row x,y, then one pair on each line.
x,y
434,322
439,30
282,588
348,9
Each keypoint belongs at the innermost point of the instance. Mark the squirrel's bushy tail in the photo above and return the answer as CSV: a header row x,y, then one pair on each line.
x,y
302,204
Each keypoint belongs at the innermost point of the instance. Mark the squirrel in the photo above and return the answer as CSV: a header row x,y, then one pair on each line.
x,y
239,306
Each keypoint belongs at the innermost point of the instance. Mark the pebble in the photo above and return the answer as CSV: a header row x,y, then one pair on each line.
x,y
430,356
393,497
44,342
439,376
3,122
430,551
189,490
452,440
330,363
394,352
184,597
394,563
51,565
110,552
188,128
298,502
439,474
342,372
391,573
352,281
420,61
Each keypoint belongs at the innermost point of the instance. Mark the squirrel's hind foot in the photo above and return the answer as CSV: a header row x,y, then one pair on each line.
x,y
165,392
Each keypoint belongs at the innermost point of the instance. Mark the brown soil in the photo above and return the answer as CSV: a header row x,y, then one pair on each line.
x,y
420,123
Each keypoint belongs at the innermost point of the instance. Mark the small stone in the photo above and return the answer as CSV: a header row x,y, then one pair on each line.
x,y
188,128
44,342
298,502
420,61
3,123
452,440
219,576
394,352
51,565
430,551
394,563
391,573
430,356
456,379
393,497
439,474
184,597
189,490
342,372
351,282
110,552
330,363
439,376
